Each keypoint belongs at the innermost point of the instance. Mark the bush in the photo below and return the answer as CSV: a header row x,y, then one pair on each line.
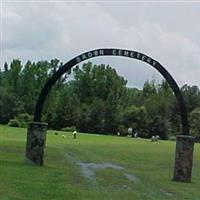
x,y
122,130
24,117
196,135
197,138
24,125
69,129
172,138
14,123
21,120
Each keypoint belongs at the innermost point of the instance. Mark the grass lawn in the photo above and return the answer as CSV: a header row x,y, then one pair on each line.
x,y
149,164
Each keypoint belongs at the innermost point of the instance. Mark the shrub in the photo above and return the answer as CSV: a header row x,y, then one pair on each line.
x,y
24,117
14,123
172,138
24,124
69,129
123,130
197,138
21,120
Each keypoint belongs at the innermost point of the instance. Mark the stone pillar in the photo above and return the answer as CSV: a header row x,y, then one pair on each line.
x,y
36,139
183,158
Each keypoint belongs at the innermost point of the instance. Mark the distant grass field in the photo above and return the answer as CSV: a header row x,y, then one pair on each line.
x,y
62,179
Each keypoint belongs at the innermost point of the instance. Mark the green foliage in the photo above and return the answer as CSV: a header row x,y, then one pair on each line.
x,y
95,99
14,123
24,117
191,96
21,120
100,97
123,130
136,117
159,107
172,138
195,123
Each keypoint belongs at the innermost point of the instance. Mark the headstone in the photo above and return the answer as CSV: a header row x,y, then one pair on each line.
x,y
74,134
157,137
130,131
36,139
153,138
183,158
135,135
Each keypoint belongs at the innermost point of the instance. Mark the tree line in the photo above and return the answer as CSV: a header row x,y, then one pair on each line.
x,y
95,99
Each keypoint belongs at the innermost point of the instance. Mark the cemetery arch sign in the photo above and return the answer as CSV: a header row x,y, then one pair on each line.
x,y
114,52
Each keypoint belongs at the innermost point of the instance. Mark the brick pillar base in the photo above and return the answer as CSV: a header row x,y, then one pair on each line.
x,y
183,158
36,139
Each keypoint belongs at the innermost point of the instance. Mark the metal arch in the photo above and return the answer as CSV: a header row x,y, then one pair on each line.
x,y
114,52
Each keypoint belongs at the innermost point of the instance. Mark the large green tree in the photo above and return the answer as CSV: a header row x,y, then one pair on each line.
x,y
94,99
101,92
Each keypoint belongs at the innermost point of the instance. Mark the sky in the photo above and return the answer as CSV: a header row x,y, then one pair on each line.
x,y
168,31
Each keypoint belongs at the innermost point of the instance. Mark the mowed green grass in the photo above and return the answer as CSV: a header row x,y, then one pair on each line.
x,y
61,178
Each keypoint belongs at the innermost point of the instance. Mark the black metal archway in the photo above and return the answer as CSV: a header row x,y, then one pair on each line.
x,y
114,52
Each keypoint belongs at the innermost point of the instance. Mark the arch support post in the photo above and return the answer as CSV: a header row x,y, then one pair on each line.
x,y
36,139
183,158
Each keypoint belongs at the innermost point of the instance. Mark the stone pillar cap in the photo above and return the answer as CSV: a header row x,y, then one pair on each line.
x,y
185,136
38,123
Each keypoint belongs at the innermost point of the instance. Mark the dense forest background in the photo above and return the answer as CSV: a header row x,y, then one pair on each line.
x,y
95,100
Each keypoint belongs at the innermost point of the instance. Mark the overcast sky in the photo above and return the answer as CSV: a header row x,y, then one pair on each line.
x,y
165,30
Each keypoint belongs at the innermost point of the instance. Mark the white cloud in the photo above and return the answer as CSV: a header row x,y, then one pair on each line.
x,y
46,30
